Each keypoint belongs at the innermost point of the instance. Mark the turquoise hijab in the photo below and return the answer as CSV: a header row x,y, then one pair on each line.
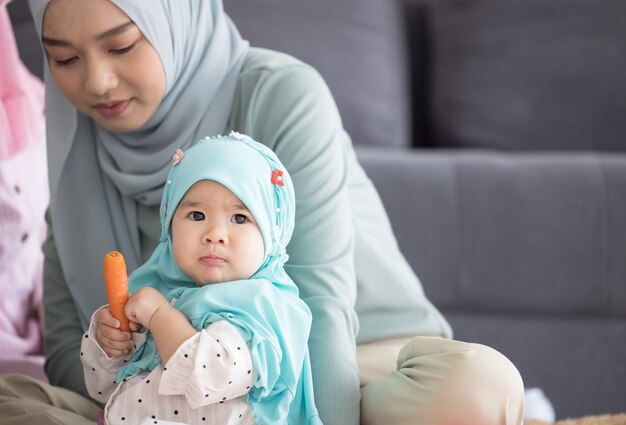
x,y
97,177
265,308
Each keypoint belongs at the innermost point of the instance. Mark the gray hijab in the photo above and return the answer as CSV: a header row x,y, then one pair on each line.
x,y
97,177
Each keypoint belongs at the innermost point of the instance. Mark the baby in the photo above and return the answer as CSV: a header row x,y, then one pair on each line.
x,y
223,332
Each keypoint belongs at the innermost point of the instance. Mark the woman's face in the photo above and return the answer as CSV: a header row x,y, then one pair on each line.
x,y
102,63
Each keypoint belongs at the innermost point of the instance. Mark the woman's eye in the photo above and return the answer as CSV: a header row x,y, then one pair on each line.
x,y
123,50
65,62
196,216
239,219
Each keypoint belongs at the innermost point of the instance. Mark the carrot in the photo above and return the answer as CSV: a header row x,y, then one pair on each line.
x,y
116,280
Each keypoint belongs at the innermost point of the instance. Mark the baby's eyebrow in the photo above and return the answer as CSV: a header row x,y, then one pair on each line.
x,y
240,206
191,203
188,203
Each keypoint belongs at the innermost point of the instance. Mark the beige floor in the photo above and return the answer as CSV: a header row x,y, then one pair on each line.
x,y
587,420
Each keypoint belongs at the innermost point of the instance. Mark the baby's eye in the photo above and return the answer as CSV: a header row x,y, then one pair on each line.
x,y
239,219
196,216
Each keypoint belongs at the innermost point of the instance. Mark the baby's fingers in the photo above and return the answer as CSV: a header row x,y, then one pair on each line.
x,y
113,347
105,317
115,353
106,333
113,341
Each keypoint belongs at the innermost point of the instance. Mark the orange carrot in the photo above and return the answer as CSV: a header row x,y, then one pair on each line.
x,y
116,281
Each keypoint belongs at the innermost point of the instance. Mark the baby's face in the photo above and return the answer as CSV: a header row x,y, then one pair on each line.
x,y
214,236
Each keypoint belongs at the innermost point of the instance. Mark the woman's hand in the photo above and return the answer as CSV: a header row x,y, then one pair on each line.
x,y
113,341
143,304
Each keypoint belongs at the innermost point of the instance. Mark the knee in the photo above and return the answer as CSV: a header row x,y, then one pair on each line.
x,y
440,381
481,386
481,366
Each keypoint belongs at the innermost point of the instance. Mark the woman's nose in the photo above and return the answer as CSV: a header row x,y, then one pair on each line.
x,y
100,77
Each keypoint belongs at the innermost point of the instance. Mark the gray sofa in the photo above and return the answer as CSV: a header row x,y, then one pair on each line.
x,y
495,132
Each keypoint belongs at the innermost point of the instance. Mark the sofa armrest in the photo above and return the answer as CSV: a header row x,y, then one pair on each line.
x,y
502,232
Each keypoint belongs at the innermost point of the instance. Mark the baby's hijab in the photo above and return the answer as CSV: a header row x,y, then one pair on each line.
x,y
265,308
253,173
96,177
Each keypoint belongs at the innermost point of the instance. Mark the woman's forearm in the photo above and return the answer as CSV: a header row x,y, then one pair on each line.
x,y
63,332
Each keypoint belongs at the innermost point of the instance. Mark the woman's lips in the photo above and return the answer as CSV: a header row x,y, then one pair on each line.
x,y
112,109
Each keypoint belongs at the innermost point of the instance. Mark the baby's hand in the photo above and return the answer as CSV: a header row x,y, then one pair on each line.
x,y
113,341
143,304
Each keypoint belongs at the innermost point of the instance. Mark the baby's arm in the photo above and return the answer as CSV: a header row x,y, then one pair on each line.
x,y
212,366
99,365
169,327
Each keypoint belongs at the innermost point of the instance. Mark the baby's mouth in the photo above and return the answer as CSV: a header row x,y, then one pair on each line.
x,y
212,260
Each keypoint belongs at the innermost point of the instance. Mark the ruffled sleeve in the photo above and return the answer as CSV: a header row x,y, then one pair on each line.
x,y
212,366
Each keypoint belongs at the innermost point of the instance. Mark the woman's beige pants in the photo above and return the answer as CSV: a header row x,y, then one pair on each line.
x,y
434,381
437,381
25,401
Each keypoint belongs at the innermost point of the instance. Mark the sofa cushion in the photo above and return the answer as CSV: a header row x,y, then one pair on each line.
x,y
530,234
529,75
358,47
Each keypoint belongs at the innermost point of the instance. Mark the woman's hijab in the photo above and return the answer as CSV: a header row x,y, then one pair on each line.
x,y
97,177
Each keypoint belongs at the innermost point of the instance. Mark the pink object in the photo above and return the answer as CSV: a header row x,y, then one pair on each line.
x,y
27,365
23,200
178,155
100,418
21,95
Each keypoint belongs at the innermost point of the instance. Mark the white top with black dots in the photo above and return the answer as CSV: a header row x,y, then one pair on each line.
x,y
205,381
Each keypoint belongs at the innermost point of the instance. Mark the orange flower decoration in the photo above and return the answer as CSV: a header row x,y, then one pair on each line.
x,y
277,177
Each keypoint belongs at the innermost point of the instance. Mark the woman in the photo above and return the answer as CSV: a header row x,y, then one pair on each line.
x,y
127,84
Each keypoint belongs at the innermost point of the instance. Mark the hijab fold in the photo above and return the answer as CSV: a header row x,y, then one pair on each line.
x,y
96,176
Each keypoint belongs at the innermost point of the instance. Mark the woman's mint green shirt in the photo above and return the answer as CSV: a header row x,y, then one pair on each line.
x,y
343,255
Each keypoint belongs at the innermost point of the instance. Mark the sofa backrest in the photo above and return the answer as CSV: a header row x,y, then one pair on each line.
x,y
357,45
531,75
